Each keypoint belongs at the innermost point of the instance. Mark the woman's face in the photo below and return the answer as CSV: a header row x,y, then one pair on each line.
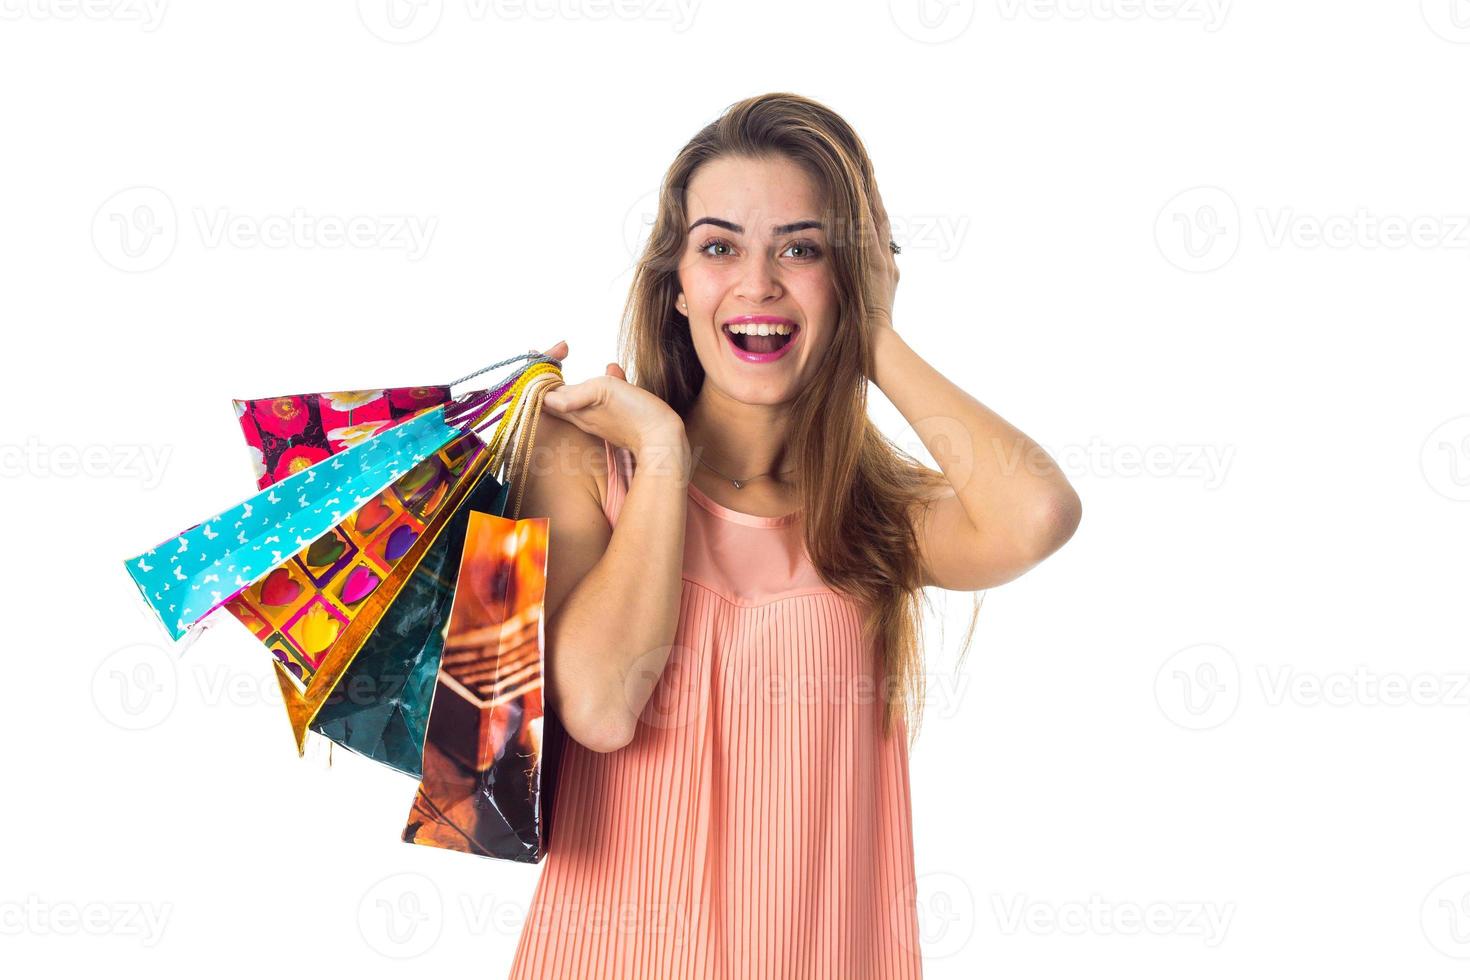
x,y
757,257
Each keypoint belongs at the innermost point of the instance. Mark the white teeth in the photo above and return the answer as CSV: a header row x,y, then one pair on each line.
x,y
759,329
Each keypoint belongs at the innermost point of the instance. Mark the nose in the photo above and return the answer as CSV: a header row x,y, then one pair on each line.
x,y
758,282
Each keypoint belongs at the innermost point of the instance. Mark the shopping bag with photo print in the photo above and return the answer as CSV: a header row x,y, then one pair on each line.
x,y
380,707
493,748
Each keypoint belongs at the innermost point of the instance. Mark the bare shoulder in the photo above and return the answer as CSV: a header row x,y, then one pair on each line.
x,y
565,459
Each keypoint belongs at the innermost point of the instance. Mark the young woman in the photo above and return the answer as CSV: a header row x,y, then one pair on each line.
x,y
736,565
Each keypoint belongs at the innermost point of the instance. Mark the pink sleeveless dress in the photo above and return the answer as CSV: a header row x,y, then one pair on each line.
x,y
757,827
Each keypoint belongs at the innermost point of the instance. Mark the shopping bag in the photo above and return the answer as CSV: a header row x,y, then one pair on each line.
x,y
288,433
492,748
483,772
300,609
316,611
379,708
188,576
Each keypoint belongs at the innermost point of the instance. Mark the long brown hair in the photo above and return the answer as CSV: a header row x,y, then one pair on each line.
x,y
858,489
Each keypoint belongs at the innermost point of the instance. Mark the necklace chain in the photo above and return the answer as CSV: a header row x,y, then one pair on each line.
x,y
738,483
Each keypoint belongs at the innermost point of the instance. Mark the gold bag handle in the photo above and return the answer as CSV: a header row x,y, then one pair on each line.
x,y
523,441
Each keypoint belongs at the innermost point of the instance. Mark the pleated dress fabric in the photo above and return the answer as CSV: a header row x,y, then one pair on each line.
x,y
758,825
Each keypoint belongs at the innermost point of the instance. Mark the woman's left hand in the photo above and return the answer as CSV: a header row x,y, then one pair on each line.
x,y
882,269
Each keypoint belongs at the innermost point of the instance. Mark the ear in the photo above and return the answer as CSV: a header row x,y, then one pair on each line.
x,y
681,304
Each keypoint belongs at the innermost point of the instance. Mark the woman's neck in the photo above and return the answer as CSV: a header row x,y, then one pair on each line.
x,y
737,438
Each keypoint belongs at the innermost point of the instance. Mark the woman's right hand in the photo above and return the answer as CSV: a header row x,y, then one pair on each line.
x,y
613,409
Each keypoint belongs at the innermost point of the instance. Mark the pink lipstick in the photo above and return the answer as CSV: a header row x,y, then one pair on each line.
x,y
759,339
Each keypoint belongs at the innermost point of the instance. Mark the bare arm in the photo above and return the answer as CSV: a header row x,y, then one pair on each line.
x,y
612,601
1009,506
609,633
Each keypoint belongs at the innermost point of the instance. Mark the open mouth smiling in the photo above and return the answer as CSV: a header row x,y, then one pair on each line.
x,y
760,339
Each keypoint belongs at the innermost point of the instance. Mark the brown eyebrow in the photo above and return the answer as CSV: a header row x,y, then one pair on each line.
x,y
739,230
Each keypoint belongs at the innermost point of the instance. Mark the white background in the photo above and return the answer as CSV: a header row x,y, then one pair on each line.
x,y
1213,256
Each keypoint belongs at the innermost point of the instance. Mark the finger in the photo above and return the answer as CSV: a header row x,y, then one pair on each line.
x,y
558,352
880,217
569,398
616,371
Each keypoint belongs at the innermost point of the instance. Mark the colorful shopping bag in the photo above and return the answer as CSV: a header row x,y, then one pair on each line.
x,y
288,433
379,709
300,609
316,611
489,753
186,577
492,750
